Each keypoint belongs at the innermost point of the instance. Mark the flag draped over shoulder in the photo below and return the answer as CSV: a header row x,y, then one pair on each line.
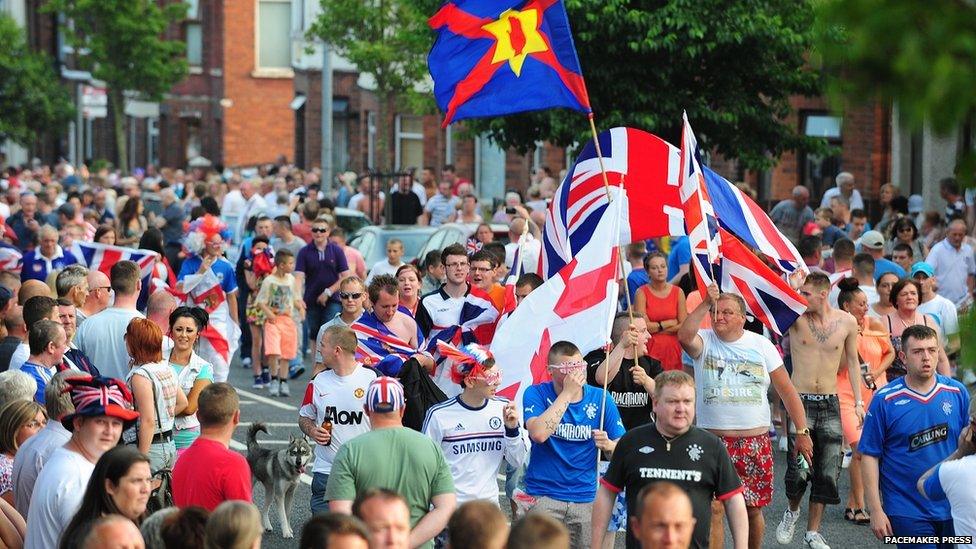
x,y
576,305
646,164
219,340
498,57
380,347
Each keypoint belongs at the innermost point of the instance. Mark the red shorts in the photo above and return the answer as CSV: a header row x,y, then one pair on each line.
x,y
753,460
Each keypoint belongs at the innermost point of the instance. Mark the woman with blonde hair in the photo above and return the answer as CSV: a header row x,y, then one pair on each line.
x,y
156,394
234,525
19,420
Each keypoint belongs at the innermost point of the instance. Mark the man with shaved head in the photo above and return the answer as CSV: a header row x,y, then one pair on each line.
x,y
13,321
31,288
98,298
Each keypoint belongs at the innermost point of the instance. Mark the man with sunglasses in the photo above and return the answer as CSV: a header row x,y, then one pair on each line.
x,y
476,430
319,268
98,298
563,418
352,298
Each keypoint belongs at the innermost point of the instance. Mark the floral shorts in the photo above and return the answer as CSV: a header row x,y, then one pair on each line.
x,y
753,460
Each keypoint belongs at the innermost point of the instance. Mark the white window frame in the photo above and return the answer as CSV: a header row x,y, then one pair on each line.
x,y
402,135
272,72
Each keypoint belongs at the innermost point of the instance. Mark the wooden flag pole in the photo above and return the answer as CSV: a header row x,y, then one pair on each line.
x,y
620,265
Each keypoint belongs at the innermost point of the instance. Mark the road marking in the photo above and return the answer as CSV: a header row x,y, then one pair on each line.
x,y
238,446
269,424
269,401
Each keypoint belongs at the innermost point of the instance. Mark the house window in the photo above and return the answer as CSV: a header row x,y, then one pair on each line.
x,y
274,34
409,142
194,44
817,171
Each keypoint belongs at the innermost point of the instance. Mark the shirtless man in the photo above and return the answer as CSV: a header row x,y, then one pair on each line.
x,y
820,340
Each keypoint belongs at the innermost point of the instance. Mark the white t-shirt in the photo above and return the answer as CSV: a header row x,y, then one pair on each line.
x,y
952,267
57,496
19,356
474,442
956,478
102,340
330,397
835,279
383,267
732,381
531,249
31,458
944,312
871,293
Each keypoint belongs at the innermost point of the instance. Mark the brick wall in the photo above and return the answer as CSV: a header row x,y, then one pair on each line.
x,y
259,125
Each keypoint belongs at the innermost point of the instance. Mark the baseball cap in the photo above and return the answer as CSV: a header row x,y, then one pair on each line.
x,y
922,267
872,239
915,204
99,396
384,395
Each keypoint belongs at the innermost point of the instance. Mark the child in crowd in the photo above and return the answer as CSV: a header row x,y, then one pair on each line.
x,y
279,299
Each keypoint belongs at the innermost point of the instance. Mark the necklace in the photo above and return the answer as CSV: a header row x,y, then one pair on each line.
x,y
667,441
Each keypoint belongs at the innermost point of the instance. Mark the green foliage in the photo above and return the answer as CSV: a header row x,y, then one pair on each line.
x,y
387,39
31,99
920,55
126,49
731,64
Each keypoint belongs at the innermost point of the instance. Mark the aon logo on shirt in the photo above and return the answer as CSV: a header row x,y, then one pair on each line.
x,y
343,417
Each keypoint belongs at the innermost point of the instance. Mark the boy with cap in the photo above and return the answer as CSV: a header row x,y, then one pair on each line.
x,y
418,470
873,242
103,408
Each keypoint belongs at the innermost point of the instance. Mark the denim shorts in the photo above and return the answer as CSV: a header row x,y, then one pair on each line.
x,y
823,419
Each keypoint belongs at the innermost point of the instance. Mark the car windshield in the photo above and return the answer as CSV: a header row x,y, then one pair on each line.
x,y
352,223
412,243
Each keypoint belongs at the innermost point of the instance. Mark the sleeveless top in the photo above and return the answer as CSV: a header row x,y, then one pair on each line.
x,y
165,385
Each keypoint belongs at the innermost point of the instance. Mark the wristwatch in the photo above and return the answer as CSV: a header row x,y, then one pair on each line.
x,y
804,431
859,403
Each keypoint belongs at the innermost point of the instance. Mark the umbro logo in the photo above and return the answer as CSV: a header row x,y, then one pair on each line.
x,y
646,450
459,427
902,401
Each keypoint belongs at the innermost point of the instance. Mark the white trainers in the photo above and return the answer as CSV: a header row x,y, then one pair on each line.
x,y
783,443
813,540
273,389
784,532
283,389
846,462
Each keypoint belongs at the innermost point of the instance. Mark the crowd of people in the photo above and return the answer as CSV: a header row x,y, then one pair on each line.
x,y
116,418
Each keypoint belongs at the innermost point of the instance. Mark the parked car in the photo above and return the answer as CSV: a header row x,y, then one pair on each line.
x,y
459,233
371,241
352,221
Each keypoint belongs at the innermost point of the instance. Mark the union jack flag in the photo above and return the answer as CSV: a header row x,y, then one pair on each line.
x,y
768,297
700,222
477,314
385,394
377,342
10,258
101,257
741,216
84,396
651,206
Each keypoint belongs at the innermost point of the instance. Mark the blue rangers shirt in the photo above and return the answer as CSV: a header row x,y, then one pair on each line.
x,y
564,466
909,433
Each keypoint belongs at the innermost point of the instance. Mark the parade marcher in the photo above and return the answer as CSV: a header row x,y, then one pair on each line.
x,y
734,369
319,268
332,409
419,472
914,423
192,372
208,278
563,422
905,298
352,296
820,340
387,515
280,299
476,430
673,449
100,337
662,305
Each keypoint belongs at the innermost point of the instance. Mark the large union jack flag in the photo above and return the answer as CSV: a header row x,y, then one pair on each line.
x,y
377,342
101,257
645,163
700,221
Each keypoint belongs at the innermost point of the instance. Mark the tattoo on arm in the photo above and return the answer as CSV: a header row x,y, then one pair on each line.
x,y
306,425
553,415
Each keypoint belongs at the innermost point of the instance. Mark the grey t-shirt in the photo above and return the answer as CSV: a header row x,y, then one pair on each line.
x,y
294,246
102,340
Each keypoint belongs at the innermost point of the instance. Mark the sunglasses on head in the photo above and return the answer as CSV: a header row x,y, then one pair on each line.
x,y
344,295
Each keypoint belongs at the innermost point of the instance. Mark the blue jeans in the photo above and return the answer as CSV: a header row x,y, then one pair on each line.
x,y
318,503
315,317
913,526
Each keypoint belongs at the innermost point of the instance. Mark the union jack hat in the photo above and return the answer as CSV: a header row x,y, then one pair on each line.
x,y
384,395
99,396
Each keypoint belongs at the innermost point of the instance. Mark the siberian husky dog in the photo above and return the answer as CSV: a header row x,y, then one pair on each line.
x,y
278,471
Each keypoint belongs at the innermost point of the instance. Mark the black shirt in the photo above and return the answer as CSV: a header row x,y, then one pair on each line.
x,y
631,399
697,462
405,208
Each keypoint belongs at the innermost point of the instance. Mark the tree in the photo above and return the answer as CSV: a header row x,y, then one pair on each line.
x,y
732,64
920,56
125,48
386,39
31,100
